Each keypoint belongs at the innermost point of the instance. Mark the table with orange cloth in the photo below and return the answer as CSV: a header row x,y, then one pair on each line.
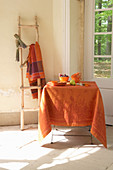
x,y
72,106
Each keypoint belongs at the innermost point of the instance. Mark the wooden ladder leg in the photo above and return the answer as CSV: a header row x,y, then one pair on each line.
x,y
22,111
22,96
22,120
39,91
39,96
22,82
37,31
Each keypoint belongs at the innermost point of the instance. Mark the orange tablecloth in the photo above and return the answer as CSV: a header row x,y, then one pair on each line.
x,y
72,106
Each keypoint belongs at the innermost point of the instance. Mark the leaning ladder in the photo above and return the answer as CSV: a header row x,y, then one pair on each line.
x,y
22,65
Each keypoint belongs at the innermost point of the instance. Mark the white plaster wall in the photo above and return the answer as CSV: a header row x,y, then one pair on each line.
x,y
51,38
9,68
74,36
51,20
58,37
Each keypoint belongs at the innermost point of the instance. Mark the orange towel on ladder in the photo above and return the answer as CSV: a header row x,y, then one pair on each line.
x,y
35,68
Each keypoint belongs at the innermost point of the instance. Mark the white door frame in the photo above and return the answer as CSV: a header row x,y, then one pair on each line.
x,y
105,85
66,67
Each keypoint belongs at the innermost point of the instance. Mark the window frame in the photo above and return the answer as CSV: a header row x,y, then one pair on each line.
x,y
102,33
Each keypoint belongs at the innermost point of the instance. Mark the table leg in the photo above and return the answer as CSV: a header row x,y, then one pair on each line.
x,y
53,126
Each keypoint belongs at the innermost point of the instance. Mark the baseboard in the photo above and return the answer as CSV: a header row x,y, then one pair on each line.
x,y
109,119
13,118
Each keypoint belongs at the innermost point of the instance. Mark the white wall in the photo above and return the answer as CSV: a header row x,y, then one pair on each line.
x,y
51,20
75,65
58,37
9,68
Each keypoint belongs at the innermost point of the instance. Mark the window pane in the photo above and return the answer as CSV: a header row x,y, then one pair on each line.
x,y
102,4
102,44
102,67
103,21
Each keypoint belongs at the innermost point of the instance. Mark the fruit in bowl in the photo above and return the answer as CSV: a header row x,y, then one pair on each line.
x,y
63,77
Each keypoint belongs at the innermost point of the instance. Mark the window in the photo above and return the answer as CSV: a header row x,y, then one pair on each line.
x,y
103,39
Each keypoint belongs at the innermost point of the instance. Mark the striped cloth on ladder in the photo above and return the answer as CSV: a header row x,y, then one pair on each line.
x,y
35,68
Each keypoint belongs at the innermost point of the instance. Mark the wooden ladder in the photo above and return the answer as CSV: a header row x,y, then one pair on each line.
x,y
22,65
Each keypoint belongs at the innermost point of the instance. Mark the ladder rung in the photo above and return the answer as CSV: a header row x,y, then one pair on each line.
x,y
22,66
21,25
27,46
30,109
30,87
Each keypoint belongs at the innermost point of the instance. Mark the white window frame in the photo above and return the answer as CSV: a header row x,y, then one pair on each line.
x,y
103,83
102,33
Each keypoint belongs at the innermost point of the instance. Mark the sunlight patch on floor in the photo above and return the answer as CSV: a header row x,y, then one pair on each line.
x,y
54,163
13,165
21,145
71,154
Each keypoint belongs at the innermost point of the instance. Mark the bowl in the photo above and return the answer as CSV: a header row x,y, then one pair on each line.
x,y
76,77
64,79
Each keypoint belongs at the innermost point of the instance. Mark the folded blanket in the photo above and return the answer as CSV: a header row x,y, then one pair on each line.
x,y
35,68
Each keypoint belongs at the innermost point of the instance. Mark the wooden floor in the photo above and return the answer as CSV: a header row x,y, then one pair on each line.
x,y
21,150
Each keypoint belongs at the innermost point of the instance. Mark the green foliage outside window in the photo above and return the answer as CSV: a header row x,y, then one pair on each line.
x,y
102,4
103,21
103,44
103,41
